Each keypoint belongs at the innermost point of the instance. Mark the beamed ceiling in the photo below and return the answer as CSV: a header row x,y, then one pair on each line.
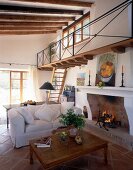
x,y
23,17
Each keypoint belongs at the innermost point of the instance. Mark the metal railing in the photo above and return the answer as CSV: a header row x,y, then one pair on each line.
x,y
66,46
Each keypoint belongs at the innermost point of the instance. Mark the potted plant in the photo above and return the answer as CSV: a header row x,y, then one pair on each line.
x,y
51,51
73,121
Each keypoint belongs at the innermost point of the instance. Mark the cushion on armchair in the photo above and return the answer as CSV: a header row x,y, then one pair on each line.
x,y
32,109
28,117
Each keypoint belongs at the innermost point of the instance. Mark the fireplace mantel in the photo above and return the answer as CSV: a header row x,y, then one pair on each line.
x,y
110,91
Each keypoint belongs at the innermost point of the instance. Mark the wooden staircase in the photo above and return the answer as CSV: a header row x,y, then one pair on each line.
x,y
58,80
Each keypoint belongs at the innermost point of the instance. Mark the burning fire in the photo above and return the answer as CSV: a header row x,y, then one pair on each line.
x,y
109,117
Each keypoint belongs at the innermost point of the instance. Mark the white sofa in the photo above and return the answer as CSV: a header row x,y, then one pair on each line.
x,y
34,121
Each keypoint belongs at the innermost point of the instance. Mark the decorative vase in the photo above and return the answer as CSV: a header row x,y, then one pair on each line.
x,y
73,132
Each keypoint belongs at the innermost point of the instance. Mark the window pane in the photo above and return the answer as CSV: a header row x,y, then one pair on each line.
x,y
71,36
25,75
65,40
15,84
15,98
78,33
86,29
15,91
25,84
15,75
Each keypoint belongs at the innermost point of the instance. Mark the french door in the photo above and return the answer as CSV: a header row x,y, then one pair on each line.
x,y
13,85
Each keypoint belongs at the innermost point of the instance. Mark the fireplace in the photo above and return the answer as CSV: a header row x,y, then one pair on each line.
x,y
108,111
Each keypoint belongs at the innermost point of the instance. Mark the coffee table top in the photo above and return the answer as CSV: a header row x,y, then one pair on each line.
x,y
60,153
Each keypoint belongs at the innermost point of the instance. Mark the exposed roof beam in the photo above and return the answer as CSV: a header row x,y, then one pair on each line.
x,y
29,28
81,59
61,2
25,32
119,49
35,18
39,10
88,57
26,24
71,63
78,62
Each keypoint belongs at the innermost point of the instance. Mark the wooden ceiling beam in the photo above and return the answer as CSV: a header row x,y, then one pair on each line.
x,y
25,32
35,18
81,59
70,63
88,57
27,24
60,2
54,65
29,28
118,49
37,10
78,62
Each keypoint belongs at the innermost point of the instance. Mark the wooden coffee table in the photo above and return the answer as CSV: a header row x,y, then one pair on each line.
x,y
60,153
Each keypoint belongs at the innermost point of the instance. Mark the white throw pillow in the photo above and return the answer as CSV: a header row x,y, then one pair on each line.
x,y
45,113
77,110
28,117
32,109
65,106
56,110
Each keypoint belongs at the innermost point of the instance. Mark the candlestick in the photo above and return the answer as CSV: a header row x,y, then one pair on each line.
x,y
122,69
89,80
122,80
89,72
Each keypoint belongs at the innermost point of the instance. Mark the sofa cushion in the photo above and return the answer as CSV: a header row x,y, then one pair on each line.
x,y
32,109
39,125
66,106
45,112
56,123
28,117
56,110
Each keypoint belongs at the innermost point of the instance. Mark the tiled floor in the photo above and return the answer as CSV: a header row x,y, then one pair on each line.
x,y
18,159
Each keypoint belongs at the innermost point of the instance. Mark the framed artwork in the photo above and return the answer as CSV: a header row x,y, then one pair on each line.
x,y
106,69
81,79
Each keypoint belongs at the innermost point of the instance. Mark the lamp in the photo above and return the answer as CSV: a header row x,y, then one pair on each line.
x,y
47,86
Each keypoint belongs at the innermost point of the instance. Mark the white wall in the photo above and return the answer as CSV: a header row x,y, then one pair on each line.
x,y
23,49
124,59
120,26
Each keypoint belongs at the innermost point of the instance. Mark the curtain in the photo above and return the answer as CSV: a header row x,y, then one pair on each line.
x,y
33,91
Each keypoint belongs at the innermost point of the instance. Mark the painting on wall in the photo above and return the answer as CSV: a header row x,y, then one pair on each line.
x,y
106,69
81,79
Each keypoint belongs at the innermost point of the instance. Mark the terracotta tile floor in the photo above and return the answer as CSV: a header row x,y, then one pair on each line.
x,y
18,159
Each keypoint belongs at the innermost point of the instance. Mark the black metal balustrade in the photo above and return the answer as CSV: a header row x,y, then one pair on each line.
x,y
58,50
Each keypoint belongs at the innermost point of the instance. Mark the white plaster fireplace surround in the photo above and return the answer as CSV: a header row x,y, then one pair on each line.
x,y
127,93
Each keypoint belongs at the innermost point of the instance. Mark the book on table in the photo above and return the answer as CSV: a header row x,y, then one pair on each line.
x,y
43,142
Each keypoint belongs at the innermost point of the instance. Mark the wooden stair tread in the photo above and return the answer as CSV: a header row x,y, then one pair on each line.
x,y
53,97
57,85
58,81
59,72
58,77
54,93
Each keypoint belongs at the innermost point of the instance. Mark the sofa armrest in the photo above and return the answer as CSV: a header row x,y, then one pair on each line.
x,y
17,123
